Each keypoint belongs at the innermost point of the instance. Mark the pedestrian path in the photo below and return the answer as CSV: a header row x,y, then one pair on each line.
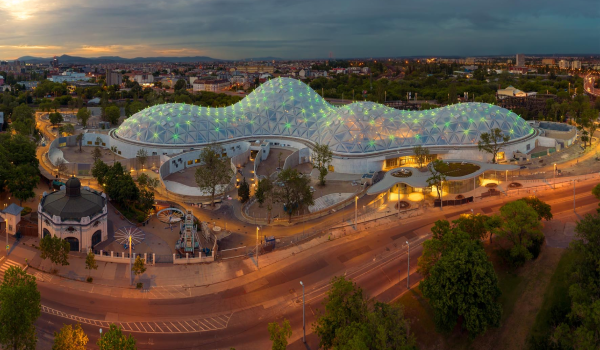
x,y
182,326
5,265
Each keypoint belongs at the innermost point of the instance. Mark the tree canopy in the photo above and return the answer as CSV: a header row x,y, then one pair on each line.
x,y
115,339
322,157
492,142
19,309
214,171
294,191
70,338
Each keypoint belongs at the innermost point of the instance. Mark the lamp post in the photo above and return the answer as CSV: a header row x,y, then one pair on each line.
x,y
130,272
398,201
408,269
573,195
257,228
554,176
356,212
303,316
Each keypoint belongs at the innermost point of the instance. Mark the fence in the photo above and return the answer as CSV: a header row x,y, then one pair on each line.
x,y
452,202
116,257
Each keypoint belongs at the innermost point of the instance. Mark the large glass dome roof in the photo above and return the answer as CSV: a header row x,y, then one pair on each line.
x,y
289,108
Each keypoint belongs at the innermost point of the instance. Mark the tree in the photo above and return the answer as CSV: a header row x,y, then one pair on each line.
x,y
83,115
264,193
180,85
55,118
67,129
492,142
142,157
295,192
322,157
90,262
23,179
119,185
462,284
543,209
115,339
139,267
437,177
96,154
214,171
79,139
421,153
55,249
20,301
23,120
351,321
70,338
477,226
244,191
580,328
61,166
113,113
596,193
99,171
279,334
520,232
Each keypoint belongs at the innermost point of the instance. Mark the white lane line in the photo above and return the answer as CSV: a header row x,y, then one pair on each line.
x,y
142,325
167,327
135,324
150,326
203,326
174,326
217,321
157,326
212,325
191,327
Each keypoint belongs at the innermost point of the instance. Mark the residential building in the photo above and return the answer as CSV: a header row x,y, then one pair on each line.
x,y
576,65
257,69
563,64
1,80
1,120
548,61
210,85
143,78
520,60
29,85
511,91
69,76
114,78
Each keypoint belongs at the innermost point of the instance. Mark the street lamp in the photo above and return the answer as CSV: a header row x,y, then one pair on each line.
x,y
356,212
303,316
573,195
130,272
408,269
257,228
554,176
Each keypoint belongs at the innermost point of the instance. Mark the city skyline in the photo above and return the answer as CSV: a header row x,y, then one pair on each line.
x,y
233,30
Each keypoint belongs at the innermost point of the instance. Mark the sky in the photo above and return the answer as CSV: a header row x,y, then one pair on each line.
x,y
297,29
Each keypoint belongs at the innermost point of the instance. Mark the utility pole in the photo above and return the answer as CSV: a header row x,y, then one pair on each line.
x,y
355,213
130,272
398,201
573,195
257,228
303,316
408,269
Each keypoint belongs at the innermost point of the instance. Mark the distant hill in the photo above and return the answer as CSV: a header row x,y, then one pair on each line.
x,y
115,59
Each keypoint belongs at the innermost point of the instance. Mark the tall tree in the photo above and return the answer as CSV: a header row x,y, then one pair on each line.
x,y
113,113
79,139
462,284
244,191
295,193
279,334
139,267
70,338
23,120
55,118
322,157
142,157
581,327
19,309
90,263
264,194
23,180
492,142
543,209
214,171
66,129
55,249
436,168
114,339
96,154
83,115
519,232
421,154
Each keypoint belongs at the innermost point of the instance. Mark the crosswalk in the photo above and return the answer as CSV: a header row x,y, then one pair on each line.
x,y
5,265
182,326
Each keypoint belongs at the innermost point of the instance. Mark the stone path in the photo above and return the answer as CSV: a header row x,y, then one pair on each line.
x,y
328,200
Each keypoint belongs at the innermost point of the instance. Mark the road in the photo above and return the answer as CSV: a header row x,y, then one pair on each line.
x,y
588,85
237,317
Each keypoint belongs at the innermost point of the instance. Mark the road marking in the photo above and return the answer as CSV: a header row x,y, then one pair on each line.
x,y
193,325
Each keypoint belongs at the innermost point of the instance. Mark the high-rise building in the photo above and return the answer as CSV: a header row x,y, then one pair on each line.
x,y
576,65
55,62
113,78
520,60
563,64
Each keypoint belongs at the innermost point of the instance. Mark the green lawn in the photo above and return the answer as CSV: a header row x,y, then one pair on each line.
x,y
556,297
457,169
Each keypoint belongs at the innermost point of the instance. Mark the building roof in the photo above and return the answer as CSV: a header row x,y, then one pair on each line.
x,y
73,203
289,108
12,209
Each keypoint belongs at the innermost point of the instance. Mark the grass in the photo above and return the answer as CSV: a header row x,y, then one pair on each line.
x,y
556,295
458,169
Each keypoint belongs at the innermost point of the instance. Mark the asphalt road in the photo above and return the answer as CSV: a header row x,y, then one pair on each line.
x,y
376,260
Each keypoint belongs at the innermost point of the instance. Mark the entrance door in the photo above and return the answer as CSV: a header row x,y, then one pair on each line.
x,y
74,242
96,238
45,233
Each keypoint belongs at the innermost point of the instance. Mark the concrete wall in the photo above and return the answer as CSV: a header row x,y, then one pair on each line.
x,y
546,142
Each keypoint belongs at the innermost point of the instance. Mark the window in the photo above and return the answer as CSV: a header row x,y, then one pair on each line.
x,y
10,228
47,222
71,229
528,146
104,144
89,142
190,162
197,161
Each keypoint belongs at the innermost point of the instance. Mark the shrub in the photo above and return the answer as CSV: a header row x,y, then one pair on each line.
x,y
536,246
139,285
25,211
89,279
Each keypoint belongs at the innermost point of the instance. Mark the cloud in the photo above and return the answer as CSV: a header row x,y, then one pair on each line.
x,y
300,29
